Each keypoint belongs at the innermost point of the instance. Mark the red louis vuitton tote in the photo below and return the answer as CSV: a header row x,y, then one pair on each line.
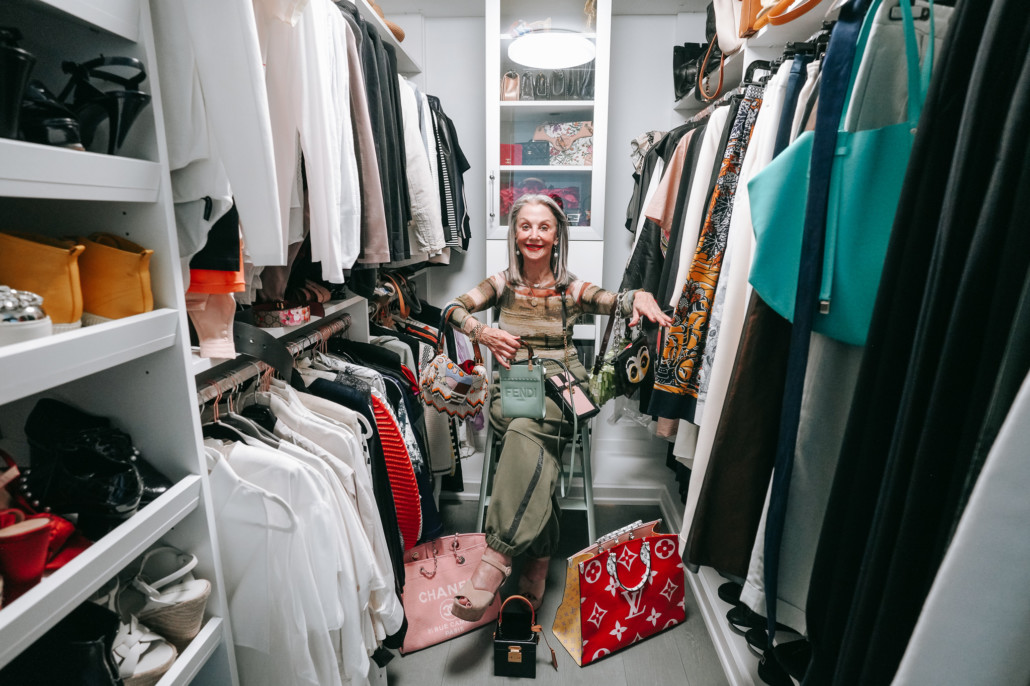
x,y
627,588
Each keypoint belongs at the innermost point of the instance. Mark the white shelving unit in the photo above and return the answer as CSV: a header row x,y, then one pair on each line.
x,y
134,371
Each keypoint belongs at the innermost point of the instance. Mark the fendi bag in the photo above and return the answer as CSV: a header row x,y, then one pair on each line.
x,y
522,389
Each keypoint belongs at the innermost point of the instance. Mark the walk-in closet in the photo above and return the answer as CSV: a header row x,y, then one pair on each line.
x,y
367,342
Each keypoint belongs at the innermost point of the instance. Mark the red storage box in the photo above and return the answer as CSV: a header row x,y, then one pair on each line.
x,y
511,153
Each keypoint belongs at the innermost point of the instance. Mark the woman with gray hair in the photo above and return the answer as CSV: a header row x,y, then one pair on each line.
x,y
527,298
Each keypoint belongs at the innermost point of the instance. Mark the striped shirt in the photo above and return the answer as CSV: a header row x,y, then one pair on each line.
x,y
534,315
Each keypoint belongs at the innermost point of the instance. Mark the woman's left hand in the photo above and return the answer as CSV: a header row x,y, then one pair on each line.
x,y
644,305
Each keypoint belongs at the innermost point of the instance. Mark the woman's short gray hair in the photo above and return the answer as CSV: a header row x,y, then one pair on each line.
x,y
560,256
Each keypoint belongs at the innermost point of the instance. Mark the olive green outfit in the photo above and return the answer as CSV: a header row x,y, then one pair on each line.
x,y
523,512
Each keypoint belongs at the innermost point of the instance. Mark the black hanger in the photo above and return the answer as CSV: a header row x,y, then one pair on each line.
x,y
749,75
222,432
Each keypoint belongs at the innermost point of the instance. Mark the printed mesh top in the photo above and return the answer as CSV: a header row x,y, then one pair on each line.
x,y
536,319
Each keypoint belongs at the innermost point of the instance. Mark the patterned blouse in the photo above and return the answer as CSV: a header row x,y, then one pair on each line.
x,y
536,319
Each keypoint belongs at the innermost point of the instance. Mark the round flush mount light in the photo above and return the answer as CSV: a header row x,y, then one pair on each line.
x,y
551,50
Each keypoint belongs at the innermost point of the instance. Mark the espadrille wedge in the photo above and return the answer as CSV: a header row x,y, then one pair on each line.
x,y
166,597
142,656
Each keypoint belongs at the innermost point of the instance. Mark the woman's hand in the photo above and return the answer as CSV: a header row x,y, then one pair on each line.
x,y
644,305
501,343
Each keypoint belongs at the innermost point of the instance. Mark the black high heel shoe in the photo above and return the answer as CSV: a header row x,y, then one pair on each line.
x,y
15,67
93,106
45,120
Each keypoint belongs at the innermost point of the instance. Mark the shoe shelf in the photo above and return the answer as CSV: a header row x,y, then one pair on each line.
x,y
739,663
29,170
29,617
120,17
195,656
37,365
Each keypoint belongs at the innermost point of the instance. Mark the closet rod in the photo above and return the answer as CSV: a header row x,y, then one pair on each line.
x,y
245,369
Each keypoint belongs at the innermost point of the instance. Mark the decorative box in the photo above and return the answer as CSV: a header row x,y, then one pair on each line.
x,y
511,153
536,152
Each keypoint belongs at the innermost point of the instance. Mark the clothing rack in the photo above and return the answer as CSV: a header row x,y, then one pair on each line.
x,y
238,374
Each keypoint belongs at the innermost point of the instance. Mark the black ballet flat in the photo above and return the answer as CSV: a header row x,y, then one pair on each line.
x,y
45,119
94,107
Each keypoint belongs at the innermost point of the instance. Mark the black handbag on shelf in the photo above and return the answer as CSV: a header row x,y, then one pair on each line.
x,y
558,84
526,86
516,638
541,87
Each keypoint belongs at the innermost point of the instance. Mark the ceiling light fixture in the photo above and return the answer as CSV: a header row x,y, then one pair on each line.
x,y
551,49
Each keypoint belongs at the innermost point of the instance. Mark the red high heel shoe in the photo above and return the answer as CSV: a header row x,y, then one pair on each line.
x,y
23,552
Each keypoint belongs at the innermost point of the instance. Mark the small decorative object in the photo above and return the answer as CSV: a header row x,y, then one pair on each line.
x,y
516,638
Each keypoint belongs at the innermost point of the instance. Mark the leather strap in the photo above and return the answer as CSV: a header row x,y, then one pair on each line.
x,y
445,317
536,628
402,306
599,360
780,14
701,77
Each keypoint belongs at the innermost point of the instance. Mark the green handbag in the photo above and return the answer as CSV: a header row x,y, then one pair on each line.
x,y
522,388
865,187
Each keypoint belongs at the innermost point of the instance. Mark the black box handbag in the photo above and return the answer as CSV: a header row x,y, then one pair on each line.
x,y
536,152
516,638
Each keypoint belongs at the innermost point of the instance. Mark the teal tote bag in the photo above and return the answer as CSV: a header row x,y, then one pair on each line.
x,y
865,186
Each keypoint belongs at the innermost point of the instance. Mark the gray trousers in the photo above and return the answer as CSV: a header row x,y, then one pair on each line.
x,y
523,512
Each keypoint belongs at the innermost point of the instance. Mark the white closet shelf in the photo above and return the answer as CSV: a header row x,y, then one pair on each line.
x,y
120,17
772,36
33,366
29,617
556,105
195,656
545,167
733,72
43,363
406,63
739,662
29,170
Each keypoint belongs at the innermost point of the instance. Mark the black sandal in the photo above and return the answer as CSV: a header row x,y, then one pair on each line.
x,y
45,119
93,106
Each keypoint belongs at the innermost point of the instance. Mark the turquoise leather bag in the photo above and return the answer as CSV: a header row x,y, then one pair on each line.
x,y
522,389
865,186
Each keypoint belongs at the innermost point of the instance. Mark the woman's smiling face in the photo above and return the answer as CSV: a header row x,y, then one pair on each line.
x,y
536,232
